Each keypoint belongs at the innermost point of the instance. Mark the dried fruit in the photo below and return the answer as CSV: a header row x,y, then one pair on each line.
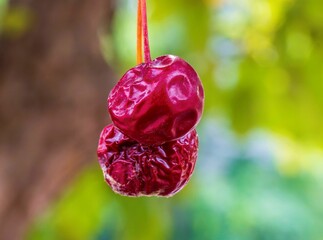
x,y
151,147
158,101
133,169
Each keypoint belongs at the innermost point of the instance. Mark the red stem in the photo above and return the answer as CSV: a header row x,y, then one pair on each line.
x,y
145,31
139,32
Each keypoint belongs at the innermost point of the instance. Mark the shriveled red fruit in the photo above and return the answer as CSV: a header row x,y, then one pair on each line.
x,y
132,169
157,101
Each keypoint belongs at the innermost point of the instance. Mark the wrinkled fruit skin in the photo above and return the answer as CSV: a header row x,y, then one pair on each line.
x,y
132,169
158,101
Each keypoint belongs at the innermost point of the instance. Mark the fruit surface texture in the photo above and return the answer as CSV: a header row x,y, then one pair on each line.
x,y
151,147
133,169
157,101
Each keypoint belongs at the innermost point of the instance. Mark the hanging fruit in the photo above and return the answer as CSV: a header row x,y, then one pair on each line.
x,y
151,147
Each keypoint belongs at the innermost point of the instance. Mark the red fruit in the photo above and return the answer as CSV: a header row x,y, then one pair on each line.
x,y
157,101
132,169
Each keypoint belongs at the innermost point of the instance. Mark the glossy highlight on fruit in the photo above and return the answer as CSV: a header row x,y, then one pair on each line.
x,y
157,101
133,169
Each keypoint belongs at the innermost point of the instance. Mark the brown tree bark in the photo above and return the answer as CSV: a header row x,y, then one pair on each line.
x,y
53,88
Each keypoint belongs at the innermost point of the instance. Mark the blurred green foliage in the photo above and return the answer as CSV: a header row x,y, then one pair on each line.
x,y
259,174
3,8
14,21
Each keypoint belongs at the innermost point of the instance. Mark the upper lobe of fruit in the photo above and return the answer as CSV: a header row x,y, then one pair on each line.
x,y
158,101
133,169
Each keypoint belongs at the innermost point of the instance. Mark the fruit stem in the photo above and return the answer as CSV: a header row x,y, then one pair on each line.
x,y
145,31
139,32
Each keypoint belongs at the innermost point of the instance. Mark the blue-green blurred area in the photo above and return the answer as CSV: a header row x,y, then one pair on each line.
x,y
260,169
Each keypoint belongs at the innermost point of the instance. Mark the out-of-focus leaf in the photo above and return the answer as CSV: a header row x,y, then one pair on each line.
x,y
15,21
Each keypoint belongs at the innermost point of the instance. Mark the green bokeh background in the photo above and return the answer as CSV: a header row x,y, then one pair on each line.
x,y
260,169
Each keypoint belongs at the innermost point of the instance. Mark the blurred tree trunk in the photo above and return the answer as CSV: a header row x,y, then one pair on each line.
x,y
53,88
